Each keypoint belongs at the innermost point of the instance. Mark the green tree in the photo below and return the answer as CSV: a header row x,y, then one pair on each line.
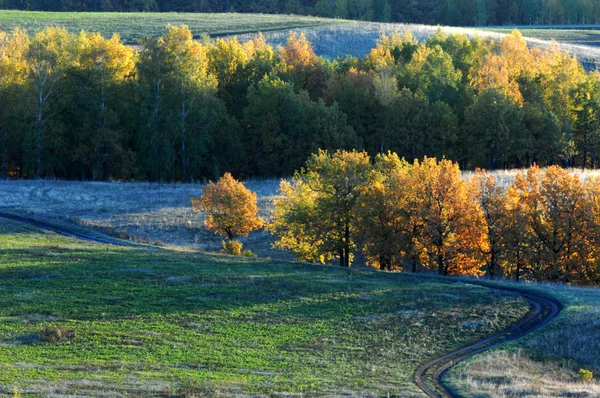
x,y
46,56
315,216
494,121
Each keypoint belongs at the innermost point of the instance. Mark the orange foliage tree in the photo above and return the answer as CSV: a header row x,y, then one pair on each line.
x,y
231,208
493,203
555,203
453,221
384,214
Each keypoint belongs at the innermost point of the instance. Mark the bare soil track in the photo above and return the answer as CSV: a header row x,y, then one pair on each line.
x,y
429,376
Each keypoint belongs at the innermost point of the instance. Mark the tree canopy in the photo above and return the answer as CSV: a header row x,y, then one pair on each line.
x,y
81,106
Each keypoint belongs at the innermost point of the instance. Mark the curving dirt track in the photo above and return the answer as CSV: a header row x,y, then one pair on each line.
x,y
429,376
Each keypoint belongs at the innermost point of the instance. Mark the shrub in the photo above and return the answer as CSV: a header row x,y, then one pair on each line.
x,y
249,253
585,376
232,247
54,334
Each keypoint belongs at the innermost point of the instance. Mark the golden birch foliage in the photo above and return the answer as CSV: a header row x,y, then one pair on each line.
x,y
517,239
521,61
391,50
230,207
13,65
453,231
189,58
591,273
108,60
561,75
495,73
298,52
226,60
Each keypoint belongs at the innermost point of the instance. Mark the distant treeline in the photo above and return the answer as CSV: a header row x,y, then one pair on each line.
x,y
79,106
450,12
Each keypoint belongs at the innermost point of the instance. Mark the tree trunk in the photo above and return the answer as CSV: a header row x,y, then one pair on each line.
x,y
95,164
440,261
4,155
347,244
38,146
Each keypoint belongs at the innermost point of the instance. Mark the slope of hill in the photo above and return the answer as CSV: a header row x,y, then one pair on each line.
x,y
546,363
79,318
135,25
331,37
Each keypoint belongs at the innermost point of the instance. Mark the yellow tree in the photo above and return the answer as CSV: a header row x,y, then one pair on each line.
x,y
561,75
453,227
298,52
495,73
492,201
384,214
190,83
99,69
13,69
315,215
230,207
554,201
227,58
47,58
590,271
392,50
517,240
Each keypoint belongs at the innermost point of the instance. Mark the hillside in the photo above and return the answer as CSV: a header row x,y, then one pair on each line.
x,y
331,38
456,12
133,26
159,323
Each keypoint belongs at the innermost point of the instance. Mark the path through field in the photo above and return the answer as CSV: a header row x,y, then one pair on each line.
x,y
429,376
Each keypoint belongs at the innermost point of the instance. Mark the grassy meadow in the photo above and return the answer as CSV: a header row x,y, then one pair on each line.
x,y
586,36
159,323
132,26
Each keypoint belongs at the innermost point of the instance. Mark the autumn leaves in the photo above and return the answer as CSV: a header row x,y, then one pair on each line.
x,y
425,216
399,215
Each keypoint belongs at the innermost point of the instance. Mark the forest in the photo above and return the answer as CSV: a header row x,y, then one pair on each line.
x,y
432,12
84,107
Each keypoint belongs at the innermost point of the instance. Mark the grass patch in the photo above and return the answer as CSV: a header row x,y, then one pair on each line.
x,y
158,322
548,362
132,26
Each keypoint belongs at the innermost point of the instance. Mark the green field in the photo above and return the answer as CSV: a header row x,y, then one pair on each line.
x,y
587,37
152,322
133,26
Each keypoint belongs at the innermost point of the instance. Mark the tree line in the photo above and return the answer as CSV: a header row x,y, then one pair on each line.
x,y
81,106
424,215
449,12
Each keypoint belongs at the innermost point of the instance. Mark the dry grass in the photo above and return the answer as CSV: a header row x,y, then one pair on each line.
x,y
158,214
357,39
144,212
546,363
515,374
